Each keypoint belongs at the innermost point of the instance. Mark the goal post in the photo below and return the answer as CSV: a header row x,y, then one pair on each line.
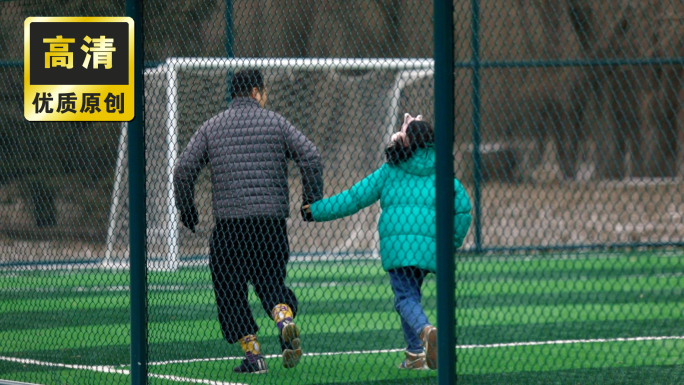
x,y
167,75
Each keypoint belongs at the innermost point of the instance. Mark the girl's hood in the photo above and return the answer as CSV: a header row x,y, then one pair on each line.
x,y
421,163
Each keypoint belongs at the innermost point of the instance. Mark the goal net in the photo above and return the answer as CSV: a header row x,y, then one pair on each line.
x,y
347,107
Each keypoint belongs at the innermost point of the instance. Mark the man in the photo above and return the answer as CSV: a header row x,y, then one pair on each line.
x,y
248,147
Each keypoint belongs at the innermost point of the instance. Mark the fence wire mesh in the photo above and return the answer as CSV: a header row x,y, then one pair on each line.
x,y
571,168
60,315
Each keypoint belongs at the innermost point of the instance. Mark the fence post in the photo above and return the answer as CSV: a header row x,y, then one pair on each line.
x,y
444,146
138,226
476,121
230,38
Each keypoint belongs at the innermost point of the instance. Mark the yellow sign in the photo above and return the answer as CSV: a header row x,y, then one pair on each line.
x,y
78,69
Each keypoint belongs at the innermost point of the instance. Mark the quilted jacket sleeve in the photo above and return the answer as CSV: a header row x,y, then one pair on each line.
x,y
462,216
187,169
363,194
306,156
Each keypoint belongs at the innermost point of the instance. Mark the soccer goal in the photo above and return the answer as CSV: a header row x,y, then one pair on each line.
x,y
348,107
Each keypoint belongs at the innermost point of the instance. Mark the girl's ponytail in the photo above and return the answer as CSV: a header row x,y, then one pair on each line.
x,y
418,134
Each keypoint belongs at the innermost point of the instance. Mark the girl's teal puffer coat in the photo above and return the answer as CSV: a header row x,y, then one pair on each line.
x,y
407,198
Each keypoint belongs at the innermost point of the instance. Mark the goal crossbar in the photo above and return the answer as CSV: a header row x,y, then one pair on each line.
x,y
313,64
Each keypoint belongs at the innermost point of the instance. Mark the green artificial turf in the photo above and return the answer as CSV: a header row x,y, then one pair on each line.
x,y
520,319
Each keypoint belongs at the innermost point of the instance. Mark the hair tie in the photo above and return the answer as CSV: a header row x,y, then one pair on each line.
x,y
401,136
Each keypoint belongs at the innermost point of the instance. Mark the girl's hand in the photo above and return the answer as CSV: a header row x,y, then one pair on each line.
x,y
307,209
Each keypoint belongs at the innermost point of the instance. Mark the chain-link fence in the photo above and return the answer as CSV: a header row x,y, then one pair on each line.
x,y
568,140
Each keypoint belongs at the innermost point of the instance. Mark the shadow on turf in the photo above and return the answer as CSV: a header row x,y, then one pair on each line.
x,y
412,381
651,375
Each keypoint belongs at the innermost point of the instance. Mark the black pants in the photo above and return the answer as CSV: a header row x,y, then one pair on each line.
x,y
243,251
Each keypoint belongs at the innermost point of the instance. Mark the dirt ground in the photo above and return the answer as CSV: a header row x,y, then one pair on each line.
x,y
581,213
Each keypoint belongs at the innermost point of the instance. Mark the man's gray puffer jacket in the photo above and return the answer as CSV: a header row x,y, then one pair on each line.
x,y
248,148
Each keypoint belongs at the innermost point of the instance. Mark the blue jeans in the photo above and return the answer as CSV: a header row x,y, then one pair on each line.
x,y
406,283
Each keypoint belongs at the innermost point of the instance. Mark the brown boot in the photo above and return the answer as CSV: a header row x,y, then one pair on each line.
x,y
292,354
289,332
429,338
413,361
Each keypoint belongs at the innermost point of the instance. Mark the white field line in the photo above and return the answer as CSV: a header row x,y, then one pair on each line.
x,y
97,289
162,288
101,369
160,265
190,380
487,346
570,342
110,369
353,352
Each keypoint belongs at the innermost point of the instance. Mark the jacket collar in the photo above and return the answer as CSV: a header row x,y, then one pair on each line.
x,y
244,102
421,163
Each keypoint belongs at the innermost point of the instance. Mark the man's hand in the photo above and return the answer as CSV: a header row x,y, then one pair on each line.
x,y
306,213
190,218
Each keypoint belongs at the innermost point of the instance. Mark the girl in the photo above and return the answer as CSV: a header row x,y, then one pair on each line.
x,y
405,186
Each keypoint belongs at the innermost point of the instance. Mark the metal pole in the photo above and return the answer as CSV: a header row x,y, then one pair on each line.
x,y
402,80
230,39
476,120
136,175
173,234
444,146
116,194
229,28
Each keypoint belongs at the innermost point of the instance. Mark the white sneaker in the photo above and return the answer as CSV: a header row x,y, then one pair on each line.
x,y
413,361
